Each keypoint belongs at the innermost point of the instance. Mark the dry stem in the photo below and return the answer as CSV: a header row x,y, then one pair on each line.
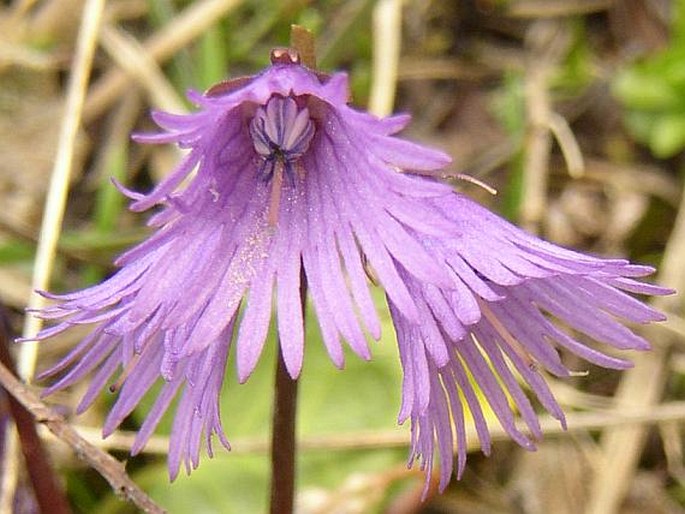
x,y
110,468
387,38
189,25
52,217
640,388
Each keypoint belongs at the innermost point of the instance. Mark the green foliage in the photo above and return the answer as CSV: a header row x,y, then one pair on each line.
x,y
245,38
508,107
15,251
574,73
568,78
653,93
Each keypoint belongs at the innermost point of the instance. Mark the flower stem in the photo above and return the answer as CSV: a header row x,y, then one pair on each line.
x,y
283,441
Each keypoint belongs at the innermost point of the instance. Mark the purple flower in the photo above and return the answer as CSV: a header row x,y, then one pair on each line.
x,y
491,329
289,180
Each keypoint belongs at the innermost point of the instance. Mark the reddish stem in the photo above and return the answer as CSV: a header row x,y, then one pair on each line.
x,y
283,437
48,492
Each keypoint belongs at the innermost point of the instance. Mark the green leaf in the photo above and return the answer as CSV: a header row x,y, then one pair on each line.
x,y
667,137
16,251
646,91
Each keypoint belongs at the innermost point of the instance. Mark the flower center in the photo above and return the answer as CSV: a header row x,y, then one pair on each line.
x,y
281,134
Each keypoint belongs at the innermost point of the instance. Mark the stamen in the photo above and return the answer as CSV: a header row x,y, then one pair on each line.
x,y
125,373
509,339
369,271
477,182
281,134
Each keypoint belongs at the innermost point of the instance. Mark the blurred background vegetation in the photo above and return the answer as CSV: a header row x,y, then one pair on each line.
x,y
573,109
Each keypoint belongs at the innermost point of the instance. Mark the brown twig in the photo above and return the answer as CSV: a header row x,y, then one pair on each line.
x,y
578,422
48,492
53,215
549,42
111,469
640,388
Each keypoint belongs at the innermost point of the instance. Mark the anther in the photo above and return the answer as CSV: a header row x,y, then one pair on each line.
x,y
507,337
281,134
124,374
